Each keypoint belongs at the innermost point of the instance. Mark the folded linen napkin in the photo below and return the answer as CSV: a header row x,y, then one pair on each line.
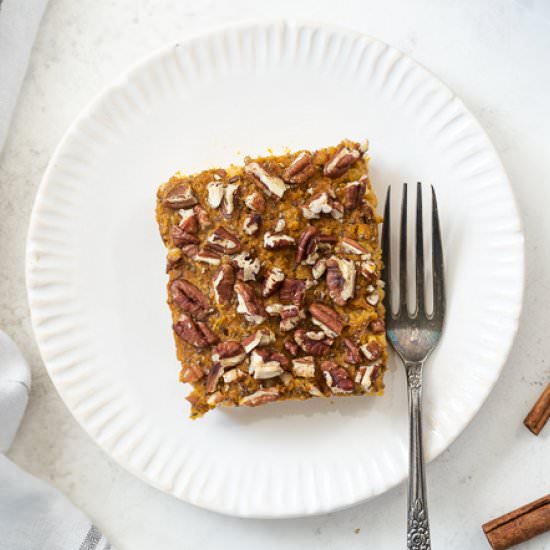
x,y
33,515
19,20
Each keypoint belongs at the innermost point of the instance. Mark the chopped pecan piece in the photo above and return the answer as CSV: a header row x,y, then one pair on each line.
x,y
273,280
209,335
368,270
352,356
315,391
190,250
221,240
354,192
216,192
340,279
367,375
202,217
270,185
304,366
213,377
291,347
223,282
314,343
188,331
328,320
341,162
228,354
246,266
293,291
318,204
280,225
377,326
214,399
290,315
190,299
300,169
337,378
262,337
255,202
318,269
260,397
181,196
248,303
263,365
228,208
233,375
373,298
191,373
173,256
350,246
274,241
207,257
372,350
368,213
307,243
180,237
188,222
251,224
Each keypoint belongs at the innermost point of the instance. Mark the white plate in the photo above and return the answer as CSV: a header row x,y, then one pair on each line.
x,y
96,278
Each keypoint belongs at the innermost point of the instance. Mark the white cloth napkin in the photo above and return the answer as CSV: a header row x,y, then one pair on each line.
x,y
33,515
19,20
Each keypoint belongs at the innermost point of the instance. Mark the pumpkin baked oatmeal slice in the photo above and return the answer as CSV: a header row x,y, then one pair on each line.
x,y
274,278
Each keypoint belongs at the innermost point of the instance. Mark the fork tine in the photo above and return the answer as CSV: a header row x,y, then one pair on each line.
x,y
403,255
420,299
386,253
437,261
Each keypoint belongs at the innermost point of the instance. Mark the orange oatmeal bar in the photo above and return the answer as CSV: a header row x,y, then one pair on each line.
x,y
274,278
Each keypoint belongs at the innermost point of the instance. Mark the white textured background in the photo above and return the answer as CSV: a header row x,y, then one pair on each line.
x,y
495,55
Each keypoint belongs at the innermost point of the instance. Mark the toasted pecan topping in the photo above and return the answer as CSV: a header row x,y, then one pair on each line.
x,y
207,257
222,240
261,337
300,169
255,202
189,298
341,162
216,191
321,203
352,356
249,304
307,242
327,319
251,224
304,366
273,241
228,354
340,279
273,280
223,282
213,376
180,237
229,201
247,267
350,246
378,326
337,378
202,217
263,365
354,192
260,397
293,291
188,222
181,196
209,335
270,185
367,375
372,350
314,343
188,331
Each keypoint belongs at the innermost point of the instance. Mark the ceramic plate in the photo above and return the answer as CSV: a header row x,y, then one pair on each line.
x,y
95,262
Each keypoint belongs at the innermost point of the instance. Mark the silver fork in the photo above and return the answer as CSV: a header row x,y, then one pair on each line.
x,y
414,336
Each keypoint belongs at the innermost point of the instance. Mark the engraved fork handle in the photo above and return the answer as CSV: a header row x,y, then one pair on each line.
x,y
418,528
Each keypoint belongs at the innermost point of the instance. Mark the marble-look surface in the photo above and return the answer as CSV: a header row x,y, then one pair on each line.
x,y
494,54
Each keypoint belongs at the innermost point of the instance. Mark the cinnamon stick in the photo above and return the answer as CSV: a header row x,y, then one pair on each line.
x,y
520,525
540,413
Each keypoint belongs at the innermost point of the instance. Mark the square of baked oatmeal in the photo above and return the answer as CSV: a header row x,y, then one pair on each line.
x,y
274,278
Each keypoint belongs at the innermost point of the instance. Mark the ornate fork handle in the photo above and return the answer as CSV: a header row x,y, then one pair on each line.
x,y
418,528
